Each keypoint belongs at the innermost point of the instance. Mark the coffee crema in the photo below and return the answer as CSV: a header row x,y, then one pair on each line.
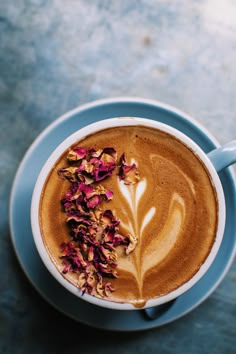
x,y
172,210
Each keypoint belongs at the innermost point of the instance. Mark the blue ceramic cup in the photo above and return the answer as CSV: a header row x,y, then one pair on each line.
x,y
214,161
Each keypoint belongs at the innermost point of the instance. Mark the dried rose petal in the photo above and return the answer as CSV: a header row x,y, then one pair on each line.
x,y
128,173
95,153
120,240
69,173
100,288
108,289
73,259
87,190
101,173
110,256
87,167
132,243
78,220
81,280
94,201
108,195
109,156
76,154
91,280
91,253
107,218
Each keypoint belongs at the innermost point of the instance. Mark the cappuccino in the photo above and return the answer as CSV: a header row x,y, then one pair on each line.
x,y
166,214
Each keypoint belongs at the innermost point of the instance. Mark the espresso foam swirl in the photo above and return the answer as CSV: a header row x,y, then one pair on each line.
x,y
163,160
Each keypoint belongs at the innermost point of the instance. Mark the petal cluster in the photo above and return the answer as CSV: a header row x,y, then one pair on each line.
x,y
94,230
94,165
128,173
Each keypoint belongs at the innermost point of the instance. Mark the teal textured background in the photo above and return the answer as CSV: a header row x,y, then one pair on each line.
x,y
58,54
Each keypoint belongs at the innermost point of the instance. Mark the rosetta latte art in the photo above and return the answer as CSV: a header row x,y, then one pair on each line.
x,y
148,255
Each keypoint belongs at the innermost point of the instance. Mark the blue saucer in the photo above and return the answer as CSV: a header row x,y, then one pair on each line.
x,y
22,239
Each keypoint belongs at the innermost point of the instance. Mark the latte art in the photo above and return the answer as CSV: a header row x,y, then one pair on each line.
x,y
148,256
132,195
171,213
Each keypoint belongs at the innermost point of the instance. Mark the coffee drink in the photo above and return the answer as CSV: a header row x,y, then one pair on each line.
x,y
168,209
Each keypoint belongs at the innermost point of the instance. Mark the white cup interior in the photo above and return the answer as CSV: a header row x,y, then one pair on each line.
x,y
83,132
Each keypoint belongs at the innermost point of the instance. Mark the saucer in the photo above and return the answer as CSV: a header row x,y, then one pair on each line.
x,y
22,239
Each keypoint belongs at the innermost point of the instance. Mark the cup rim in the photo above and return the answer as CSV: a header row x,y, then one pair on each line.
x,y
85,131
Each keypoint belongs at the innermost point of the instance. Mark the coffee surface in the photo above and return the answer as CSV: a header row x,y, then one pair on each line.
x,y
172,211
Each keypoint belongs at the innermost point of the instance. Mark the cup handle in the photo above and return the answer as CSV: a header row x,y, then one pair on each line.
x,y
223,156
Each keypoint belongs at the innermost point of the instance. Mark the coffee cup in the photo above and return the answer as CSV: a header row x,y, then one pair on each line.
x,y
129,213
